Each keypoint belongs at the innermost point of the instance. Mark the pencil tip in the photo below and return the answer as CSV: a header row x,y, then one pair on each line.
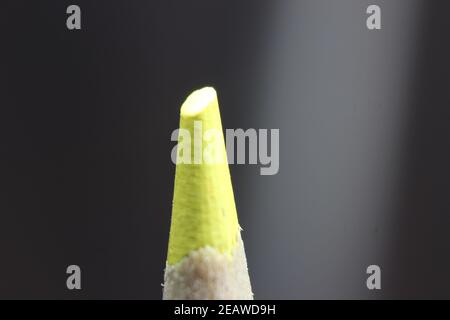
x,y
198,101
203,212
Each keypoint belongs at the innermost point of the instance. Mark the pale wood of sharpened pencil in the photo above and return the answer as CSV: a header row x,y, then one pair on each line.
x,y
206,274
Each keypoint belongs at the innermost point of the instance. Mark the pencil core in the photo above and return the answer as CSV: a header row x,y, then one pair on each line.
x,y
203,212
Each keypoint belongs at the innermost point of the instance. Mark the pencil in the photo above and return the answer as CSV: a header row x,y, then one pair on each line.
x,y
206,257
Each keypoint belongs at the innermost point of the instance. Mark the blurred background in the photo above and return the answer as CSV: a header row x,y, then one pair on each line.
x,y
86,118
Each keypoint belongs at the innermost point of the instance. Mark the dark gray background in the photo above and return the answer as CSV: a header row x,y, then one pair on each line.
x,y
86,118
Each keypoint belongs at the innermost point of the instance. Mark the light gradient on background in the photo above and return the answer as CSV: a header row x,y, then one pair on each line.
x,y
338,93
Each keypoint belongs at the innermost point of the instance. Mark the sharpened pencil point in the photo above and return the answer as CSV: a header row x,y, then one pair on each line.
x,y
206,258
203,213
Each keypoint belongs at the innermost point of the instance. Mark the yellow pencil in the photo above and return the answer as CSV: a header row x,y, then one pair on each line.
x,y
206,257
